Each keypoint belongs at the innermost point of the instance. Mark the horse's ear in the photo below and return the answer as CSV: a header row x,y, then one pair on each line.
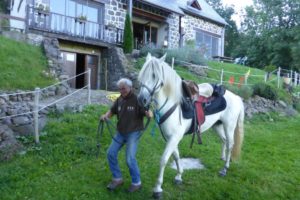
x,y
148,57
162,59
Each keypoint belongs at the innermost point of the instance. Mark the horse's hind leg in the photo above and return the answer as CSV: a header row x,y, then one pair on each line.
x,y
178,179
229,133
219,128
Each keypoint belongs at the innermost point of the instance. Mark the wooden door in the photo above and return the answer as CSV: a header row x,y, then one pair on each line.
x,y
69,66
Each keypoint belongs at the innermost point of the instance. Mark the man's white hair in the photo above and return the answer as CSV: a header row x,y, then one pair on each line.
x,y
125,81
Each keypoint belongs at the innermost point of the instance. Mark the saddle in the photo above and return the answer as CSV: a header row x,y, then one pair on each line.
x,y
200,100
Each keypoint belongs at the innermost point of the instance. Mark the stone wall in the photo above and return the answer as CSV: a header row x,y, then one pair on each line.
x,y
24,103
119,67
191,23
115,16
174,36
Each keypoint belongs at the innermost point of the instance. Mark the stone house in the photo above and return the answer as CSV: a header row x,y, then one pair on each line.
x,y
82,34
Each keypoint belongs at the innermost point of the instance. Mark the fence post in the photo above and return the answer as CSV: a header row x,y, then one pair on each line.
x,y
295,78
266,77
36,115
172,62
89,86
278,77
222,73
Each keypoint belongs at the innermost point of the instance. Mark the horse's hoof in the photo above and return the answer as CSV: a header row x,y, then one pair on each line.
x,y
157,195
223,172
177,182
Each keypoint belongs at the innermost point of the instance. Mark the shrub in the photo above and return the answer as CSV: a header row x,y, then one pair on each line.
x,y
265,90
186,54
296,103
245,92
128,36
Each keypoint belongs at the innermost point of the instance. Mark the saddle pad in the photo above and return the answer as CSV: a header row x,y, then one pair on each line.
x,y
216,105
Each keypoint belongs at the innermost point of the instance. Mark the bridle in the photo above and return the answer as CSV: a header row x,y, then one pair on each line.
x,y
155,88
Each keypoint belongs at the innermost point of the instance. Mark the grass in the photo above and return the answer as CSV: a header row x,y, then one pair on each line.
x,y
64,165
22,66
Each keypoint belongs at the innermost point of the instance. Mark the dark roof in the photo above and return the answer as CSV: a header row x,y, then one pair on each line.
x,y
184,6
166,5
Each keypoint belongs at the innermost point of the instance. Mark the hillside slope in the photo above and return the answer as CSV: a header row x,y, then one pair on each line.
x,y
22,66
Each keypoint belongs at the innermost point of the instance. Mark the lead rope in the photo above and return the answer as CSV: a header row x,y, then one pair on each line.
x,y
110,126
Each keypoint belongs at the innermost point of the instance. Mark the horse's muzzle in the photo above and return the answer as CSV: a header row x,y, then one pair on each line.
x,y
144,100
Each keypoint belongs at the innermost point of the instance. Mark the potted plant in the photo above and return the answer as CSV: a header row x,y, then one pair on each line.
x,y
81,19
111,26
42,8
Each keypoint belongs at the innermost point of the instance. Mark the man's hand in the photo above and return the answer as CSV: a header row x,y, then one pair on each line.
x,y
149,113
104,117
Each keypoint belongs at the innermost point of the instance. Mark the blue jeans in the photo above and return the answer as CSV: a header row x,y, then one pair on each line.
x,y
131,140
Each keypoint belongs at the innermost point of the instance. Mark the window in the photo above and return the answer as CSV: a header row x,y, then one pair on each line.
x,y
208,42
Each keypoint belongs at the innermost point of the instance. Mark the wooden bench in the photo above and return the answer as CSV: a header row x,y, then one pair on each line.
x,y
223,59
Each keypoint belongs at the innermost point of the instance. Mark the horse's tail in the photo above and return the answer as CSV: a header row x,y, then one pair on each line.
x,y
238,135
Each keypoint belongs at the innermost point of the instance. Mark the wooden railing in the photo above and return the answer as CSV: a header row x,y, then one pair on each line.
x,y
71,26
9,17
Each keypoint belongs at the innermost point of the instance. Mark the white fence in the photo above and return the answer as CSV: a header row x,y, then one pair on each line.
x,y
279,75
37,107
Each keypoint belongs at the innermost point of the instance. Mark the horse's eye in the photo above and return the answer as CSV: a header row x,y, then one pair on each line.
x,y
153,76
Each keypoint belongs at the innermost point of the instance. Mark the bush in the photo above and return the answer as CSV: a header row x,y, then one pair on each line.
x,y
265,90
186,54
245,92
296,103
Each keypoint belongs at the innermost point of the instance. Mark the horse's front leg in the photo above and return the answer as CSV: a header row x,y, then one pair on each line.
x,y
170,148
178,179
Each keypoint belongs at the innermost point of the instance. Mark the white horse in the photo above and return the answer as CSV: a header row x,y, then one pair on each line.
x,y
163,86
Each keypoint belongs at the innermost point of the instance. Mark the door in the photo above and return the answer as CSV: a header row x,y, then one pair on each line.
x,y
92,63
69,66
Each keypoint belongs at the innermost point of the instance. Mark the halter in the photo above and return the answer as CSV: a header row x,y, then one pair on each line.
x,y
151,92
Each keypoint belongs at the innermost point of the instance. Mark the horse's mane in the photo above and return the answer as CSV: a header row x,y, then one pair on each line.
x,y
172,82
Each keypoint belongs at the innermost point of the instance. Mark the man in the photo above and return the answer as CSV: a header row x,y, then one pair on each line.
x,y
130,123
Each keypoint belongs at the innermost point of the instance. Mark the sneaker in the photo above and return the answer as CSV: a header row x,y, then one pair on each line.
x,y
134,188
114,184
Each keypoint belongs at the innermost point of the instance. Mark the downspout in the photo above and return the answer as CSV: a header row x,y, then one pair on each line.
x,y
180,33
223,41
129,8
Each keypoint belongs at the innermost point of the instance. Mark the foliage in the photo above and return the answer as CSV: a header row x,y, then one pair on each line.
x,y
22,66
64,165
271,34
270,68
128,35
265,90
187,54
4,4
245,92
296,103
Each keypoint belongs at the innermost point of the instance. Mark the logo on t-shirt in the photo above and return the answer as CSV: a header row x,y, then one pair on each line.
x,y
130,108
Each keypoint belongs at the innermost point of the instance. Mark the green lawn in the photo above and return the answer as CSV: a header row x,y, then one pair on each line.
x,y
64,165
22,66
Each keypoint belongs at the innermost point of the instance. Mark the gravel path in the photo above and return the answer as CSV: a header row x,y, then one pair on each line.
x,y
79,98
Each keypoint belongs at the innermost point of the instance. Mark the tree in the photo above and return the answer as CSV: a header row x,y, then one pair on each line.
x,y
128,36
271,30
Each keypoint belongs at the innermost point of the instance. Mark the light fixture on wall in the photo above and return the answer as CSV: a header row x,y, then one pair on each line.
x,y
165,43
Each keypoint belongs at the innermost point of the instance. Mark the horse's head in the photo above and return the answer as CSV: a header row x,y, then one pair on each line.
x,y
151,78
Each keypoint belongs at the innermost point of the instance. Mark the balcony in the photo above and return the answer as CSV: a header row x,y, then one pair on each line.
x,y
77,27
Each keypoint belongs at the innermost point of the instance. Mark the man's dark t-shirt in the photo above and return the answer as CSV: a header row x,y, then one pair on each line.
x,y
130,114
